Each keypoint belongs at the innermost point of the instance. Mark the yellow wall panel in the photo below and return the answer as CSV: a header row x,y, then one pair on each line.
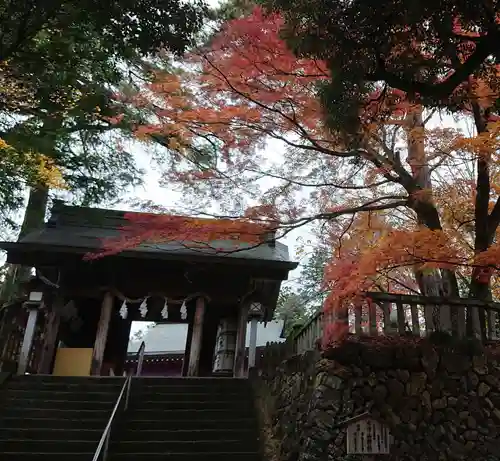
x,y
73,362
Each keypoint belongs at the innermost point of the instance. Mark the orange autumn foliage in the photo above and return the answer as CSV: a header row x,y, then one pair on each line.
x,y
199,233
403,201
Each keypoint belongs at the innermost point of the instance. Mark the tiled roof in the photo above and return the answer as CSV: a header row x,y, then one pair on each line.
x,y
84,228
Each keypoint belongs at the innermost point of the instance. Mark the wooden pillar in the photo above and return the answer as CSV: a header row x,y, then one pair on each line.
x,y
101,334
124,337
254,324
210,324
187,351
239,358
50,337
29,332
195,350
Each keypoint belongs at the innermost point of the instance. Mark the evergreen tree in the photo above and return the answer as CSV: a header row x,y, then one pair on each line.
x,y
297,303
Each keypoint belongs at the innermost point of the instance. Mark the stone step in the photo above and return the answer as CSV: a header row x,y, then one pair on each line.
x,y
182,446
149,456
198,393
48,446
51,379
38,456
72,405
194,381
187,384
185,435
67,384
53,422
193,414
110,394
50,433
55,413
70,387
208,404
191,424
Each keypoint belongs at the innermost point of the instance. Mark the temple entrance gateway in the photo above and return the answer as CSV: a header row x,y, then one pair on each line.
x,y
82,311
165,348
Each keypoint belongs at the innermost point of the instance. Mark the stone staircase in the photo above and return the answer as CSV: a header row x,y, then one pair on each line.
x,y
54,418
179,419
188,419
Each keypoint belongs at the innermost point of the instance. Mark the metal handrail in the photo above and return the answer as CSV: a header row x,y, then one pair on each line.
x,y
103,443
140,358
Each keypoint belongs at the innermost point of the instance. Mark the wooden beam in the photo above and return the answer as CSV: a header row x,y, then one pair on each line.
x,y
438,300
429,320
196,340
415,322
122,339
52,322
386,317
29,333
239,356
207,354
401,318
358,312
372,319
101,334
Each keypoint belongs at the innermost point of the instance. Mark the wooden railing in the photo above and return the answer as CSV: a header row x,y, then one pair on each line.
x,y
391,314
273,354
13,320
308,335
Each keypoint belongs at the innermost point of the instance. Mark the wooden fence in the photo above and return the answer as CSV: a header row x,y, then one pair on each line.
x,y
273,354
391,314
13,319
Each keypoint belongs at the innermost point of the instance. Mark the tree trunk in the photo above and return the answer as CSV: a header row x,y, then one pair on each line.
x,y
36,208
34,217
480,286
435,282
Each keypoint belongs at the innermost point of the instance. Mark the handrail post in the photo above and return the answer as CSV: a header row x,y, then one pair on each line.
x,y
104,440
140,358
127,395
106,446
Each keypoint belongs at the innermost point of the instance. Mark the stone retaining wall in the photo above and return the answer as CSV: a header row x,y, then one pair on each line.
x,y
440,404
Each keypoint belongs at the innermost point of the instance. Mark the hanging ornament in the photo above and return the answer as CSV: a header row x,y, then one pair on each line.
x,y
124,310
164,311
184,313
143,308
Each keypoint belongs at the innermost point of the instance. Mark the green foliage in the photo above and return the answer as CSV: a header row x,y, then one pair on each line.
x,y
61,64
233,9
124,26
291,310
8,284
311,278
296,305
13,165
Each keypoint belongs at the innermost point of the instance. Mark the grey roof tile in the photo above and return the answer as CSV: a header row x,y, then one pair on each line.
x,y
85,228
